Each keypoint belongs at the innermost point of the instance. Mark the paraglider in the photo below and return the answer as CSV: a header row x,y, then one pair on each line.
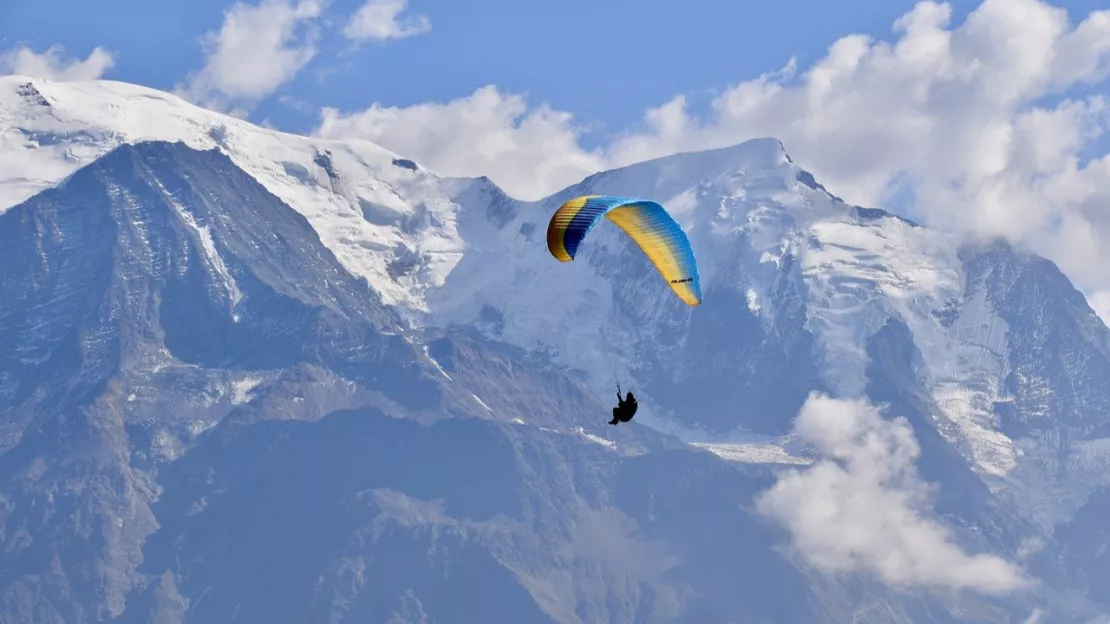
x,y
653,230
646,222
625,409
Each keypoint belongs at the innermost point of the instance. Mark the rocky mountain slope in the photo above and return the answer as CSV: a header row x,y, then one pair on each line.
x,y
253,375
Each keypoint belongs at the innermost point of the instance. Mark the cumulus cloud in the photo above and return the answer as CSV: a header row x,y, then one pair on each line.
x,y
54,65
986,122
487,133
974,117
256,50
529,152
863,507
381,20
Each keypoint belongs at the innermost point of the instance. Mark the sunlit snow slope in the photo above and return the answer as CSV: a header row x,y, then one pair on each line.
x,y
796,283
797,286
386,218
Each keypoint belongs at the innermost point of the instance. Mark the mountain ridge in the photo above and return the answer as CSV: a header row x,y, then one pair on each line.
x,y
772,207
306,291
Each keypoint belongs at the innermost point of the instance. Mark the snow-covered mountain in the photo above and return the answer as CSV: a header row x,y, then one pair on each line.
x,y
378,212
240,365
797,284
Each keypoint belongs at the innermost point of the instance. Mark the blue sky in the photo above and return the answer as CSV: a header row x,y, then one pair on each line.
x,y
604,60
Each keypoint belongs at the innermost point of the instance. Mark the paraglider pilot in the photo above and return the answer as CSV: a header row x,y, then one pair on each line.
x,y
625,409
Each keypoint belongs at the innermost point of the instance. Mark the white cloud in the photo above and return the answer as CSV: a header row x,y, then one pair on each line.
x,y
961,112
865,509
381,20
1100,303
974,117
52,65
256,50
487,133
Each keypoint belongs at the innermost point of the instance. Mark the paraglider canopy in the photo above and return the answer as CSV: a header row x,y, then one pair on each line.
x,y
646,222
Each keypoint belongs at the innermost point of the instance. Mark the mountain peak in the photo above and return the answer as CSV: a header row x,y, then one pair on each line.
x,y
760,155
58,127
766,150
387,219
755,152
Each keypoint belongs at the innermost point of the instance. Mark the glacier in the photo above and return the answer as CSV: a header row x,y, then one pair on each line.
x,y
368,205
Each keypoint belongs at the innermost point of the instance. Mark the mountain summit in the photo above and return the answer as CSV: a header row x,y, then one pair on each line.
x,y
257,375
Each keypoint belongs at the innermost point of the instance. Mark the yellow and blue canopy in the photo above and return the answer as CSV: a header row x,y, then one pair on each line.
x,y
646,222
